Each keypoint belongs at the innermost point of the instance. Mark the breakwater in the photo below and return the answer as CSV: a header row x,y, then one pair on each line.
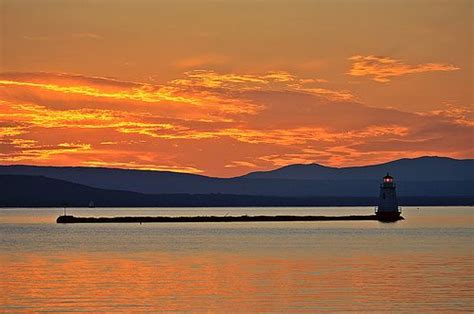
x,y
66,219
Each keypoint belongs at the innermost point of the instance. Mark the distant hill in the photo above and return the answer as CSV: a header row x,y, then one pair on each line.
x,y
39,191
425,176
417,169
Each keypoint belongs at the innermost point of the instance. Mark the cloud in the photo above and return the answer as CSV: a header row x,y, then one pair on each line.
x,y
241,164
383,69
211,122
459,114
141,166
21,149
143,93
10,131
269,81
212,79
61,89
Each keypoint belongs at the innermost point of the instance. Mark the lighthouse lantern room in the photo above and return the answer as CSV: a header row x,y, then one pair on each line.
x,y
387,209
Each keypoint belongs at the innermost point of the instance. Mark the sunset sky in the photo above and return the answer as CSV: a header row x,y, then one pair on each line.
x,y
223,88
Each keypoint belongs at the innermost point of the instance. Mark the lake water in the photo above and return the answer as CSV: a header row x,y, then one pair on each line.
x,y
424,263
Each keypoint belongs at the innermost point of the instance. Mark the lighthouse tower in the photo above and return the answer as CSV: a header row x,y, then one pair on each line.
x,y
387,209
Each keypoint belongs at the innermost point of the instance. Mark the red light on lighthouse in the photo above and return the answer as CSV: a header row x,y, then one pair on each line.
x,y
388,179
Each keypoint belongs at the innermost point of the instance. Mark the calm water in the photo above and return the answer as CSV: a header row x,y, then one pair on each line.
x,y
423,263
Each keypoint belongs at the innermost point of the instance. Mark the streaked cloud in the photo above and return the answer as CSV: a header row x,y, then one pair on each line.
x,y
10,131
460,114
24,149
141,166
241,163
210,122
383,69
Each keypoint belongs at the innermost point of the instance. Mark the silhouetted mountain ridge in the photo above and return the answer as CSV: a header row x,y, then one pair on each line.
x,y
425,176
427,168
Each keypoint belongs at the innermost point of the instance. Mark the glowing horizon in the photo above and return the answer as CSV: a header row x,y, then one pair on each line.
x,y
191,87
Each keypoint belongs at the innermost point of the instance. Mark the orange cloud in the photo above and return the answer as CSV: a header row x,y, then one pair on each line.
x,y
99,91
241,163
459,114
273,80
212,79
382,69
141,166
29,150
10,131
144,93
216,123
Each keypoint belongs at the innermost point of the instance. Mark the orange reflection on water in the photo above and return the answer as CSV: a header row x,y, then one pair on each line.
x,y
233,282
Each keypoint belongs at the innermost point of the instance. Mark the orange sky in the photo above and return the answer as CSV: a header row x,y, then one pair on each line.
x,y
223,88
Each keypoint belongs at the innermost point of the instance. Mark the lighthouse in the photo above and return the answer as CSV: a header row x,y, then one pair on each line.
x,y
387,209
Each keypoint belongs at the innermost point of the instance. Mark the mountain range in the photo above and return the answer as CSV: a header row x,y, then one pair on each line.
x,y
416,169
418,178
